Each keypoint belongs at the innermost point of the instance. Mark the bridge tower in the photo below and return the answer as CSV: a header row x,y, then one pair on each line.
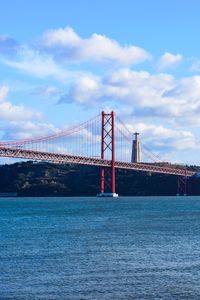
x,y
136,149
108,152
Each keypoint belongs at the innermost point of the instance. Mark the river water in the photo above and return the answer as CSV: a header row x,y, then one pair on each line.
x,y
92,248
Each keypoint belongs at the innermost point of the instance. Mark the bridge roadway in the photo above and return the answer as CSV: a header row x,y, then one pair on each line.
x,y
93,161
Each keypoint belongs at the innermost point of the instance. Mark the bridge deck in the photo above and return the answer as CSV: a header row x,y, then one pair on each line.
x,y
65,158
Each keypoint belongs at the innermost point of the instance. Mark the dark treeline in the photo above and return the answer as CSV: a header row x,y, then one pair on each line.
x,y
46,179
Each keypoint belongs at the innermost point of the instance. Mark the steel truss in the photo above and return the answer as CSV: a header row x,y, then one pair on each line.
x,y
81,160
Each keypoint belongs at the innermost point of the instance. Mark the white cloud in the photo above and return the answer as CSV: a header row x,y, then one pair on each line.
x,y
160,96
61,37
67,45
39,65
159,136
46,91
3,92
10,112
168,60
85,90
195,67
18,122
17,130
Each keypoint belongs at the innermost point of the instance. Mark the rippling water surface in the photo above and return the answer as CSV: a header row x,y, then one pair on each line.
x,y
89,248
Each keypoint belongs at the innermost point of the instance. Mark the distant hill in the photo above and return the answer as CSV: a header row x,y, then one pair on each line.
x,y
47,179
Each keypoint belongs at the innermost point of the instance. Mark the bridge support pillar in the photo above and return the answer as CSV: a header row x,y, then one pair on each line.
x,y
108,152
182,185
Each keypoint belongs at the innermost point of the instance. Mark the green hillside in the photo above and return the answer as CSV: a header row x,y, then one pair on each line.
x,y
46,179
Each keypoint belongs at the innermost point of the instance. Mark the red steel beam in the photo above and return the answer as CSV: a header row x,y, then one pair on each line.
x,y
113,153
102,153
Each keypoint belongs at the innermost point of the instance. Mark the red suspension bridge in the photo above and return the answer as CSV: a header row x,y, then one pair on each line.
x,y
103,141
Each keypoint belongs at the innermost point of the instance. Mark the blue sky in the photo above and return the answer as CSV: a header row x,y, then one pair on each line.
x,y
64,61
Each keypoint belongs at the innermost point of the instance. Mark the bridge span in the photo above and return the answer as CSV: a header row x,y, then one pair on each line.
x,y
92,161
103,141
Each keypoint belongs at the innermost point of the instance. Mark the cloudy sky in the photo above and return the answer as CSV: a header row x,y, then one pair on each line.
x,y
62,62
